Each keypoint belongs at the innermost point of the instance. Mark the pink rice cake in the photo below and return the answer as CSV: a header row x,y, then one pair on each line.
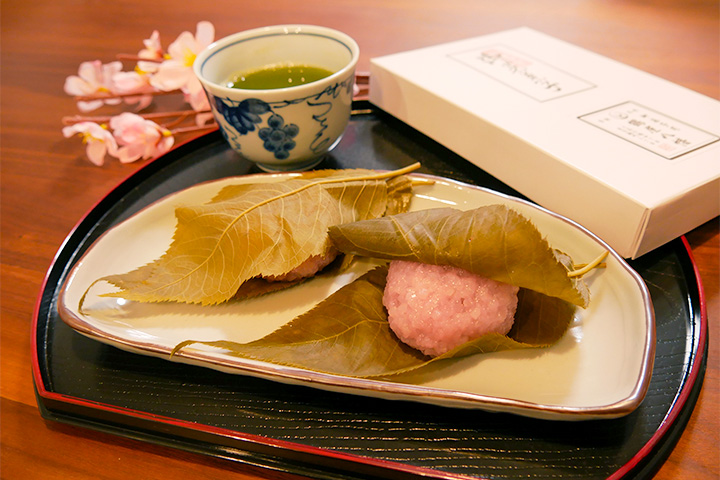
x,y
437,308
306,269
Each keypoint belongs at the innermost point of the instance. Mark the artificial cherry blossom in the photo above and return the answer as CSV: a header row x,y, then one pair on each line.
x,y
135,82
93,78
153,52
98,139
139,138
176,72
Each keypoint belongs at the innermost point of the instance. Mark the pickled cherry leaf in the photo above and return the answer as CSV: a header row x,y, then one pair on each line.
x,y
348,334
345,334
261,229
493,241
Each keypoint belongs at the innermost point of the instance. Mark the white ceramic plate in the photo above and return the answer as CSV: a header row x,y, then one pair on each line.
x,y
600,369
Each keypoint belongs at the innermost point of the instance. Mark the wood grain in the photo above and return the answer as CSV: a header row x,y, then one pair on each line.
x,y
47,184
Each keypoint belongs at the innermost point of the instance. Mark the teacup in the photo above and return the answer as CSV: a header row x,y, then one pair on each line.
x,y
289,128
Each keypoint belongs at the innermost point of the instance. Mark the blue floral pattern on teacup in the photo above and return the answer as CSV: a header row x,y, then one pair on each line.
x,y
243,116
278,137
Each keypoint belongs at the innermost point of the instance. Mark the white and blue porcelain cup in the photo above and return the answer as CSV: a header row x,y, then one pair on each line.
x,y
281,129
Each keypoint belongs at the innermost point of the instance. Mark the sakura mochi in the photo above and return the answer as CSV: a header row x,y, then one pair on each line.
x,y
435,308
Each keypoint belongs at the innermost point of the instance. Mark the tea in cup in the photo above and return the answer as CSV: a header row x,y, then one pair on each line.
x,y
281,95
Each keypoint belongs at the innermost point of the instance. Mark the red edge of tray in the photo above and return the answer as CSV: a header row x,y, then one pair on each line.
x,y
682,398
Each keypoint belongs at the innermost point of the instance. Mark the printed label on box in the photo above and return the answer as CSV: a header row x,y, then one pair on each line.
x,y
521,72
650,130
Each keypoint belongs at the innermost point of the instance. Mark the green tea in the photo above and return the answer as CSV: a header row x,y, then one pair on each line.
x,y
278,76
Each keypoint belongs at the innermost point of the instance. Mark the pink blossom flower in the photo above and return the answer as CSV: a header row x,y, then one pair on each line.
x,y
93,78
153,51
135,82
98,139
176,72
194,94
139,138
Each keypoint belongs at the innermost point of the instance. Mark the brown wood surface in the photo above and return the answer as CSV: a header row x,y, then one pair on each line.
x,y
47,184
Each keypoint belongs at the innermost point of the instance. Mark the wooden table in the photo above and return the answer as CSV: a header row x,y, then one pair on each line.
x,y
47,184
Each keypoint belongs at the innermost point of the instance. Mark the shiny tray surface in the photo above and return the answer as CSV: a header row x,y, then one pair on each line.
x,y
326,435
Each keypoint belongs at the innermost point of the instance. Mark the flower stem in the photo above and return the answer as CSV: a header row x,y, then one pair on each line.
x,y
183,114
106,96
194,128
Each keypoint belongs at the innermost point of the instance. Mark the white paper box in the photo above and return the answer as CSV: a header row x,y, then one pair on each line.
x,y
632,157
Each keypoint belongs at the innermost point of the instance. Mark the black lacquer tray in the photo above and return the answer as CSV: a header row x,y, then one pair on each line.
x,y
327,435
